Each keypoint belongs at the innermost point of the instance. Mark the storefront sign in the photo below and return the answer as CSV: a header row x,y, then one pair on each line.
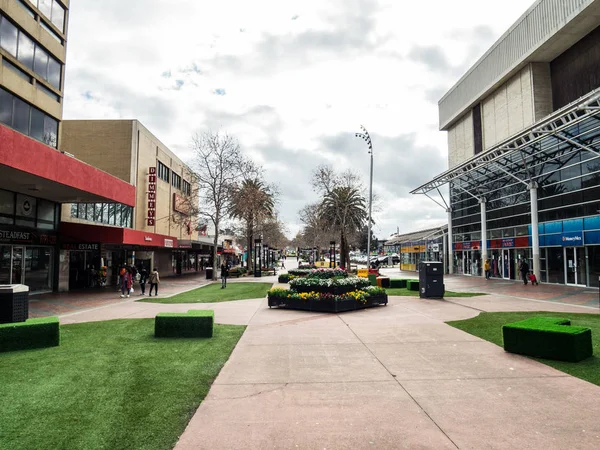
x,y
19,236
27,237
151,196
147,239
80,247
572,239
169,243
434,247
466,246
508,243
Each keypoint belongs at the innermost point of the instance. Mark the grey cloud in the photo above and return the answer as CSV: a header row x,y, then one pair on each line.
x,y
432,56
434,94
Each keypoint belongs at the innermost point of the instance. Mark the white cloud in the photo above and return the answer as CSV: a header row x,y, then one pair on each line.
x,y
292,80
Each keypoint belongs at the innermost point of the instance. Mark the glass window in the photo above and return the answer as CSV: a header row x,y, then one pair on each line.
x,y
104,212
45,215
50,131
74,210
6,107
25,53
7,207
45,6
8,36
118,214
26,8
58,16
14,69
54,68
36,130
111,213
53,34
40,65
81,210
47,91
21,116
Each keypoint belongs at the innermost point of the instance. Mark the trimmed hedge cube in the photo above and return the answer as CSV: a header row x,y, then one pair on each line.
x,y
373,279
383,282
33,333
412,285
548,337
194,323
283,278
397,283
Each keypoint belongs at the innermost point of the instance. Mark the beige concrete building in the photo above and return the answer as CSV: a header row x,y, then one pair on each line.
x,y
159,231
35,177
524,150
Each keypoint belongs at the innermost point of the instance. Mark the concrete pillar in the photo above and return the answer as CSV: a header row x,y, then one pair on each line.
x,y
535,235
449,251
484,249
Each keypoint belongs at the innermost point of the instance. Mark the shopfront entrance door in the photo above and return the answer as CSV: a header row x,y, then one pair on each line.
x,y
575,269
18,274
467,262
507,268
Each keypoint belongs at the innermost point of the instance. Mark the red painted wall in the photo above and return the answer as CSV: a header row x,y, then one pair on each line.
x,y
28,155
79,232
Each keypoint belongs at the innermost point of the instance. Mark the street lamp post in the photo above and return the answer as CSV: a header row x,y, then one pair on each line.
x,y
365,136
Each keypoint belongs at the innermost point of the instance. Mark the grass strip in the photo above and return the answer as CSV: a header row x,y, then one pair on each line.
x,y
213,293
109,385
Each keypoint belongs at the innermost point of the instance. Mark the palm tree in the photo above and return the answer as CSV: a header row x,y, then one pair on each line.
x,y
253,202
344,210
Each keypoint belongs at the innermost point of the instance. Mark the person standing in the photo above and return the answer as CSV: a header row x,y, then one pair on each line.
x,y
143,278
224,274
154,280
524,268
487,267
125,283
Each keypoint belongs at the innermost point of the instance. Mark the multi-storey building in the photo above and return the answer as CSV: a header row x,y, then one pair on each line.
x,y
524,149
159,232
36,176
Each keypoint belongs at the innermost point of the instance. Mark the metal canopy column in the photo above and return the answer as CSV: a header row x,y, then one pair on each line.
x,y
450,251
535,236
484,249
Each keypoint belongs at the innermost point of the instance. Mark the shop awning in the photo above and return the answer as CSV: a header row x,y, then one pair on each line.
x,y
32,168
78,232
527,157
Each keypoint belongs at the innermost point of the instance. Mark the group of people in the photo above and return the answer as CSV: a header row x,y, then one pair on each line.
x,y
523,269
129,274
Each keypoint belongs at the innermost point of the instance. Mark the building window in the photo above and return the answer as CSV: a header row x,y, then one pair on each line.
x,y
21,74
104,213
30,54
163,172
187,188
53,10
176,181
477,129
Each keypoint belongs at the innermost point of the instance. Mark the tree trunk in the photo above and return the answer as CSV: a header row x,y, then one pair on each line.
x,y
342,254
215,244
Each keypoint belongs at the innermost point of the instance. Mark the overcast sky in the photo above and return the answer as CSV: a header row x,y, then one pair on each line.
x,y
292,80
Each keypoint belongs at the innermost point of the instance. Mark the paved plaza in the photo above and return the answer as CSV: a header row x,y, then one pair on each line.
x,y
387,377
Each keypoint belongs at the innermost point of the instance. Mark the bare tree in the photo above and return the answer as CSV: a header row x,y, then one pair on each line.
x,y
219,165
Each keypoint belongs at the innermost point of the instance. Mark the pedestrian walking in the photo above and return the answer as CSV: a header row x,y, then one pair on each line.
x,y
143,278
283,262
126,281
487,267
524,268
224,274
154,281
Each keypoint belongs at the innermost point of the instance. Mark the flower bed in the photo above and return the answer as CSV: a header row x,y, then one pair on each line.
x,y
318,273
326,301
328,285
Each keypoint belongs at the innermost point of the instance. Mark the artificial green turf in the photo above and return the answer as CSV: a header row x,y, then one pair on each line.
x,y
110,385
488,326
213,293
404,292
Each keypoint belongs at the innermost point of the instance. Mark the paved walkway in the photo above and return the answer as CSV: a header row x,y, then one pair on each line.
x,y
387,377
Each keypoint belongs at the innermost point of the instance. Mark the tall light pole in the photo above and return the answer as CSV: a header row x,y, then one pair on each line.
x,y
365,136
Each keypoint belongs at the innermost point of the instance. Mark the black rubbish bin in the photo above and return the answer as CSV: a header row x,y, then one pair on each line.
x,y
14,303
431,279
209,273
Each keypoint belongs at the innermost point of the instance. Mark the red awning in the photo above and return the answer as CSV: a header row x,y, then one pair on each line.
x,y
32,168
80,232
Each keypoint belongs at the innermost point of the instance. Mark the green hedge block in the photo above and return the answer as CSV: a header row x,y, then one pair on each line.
x,y
397,283
33,333
194,323
550,338
284,278
373,279
412,285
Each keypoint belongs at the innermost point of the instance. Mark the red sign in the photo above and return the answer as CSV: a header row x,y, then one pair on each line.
x,y
151,196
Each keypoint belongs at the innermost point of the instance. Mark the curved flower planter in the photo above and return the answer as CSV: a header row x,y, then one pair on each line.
x,y
334,306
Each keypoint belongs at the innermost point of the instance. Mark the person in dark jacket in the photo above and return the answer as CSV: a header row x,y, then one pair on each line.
x,y
224,274
143,280
524,270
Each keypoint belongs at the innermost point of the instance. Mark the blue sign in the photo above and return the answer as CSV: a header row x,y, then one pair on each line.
x,y
508,243
572,239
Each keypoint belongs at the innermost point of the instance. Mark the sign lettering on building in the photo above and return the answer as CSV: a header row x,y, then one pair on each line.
x,y
151,220
169,243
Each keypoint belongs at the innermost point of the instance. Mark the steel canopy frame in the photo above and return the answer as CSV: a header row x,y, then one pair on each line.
x,y
512,155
